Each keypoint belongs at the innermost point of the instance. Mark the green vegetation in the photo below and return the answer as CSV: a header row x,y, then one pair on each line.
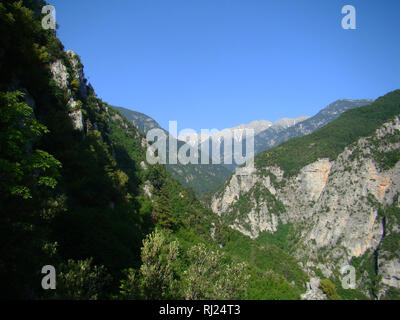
x,y
329,289
386,160
281,268
75,199
28,177
349,294
63,197
392,294
391,240
366,265
115,227
168,272
284,238
18,131
81,280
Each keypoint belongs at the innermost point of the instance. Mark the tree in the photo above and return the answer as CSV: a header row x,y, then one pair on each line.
x,y
27,174
81,280
329,289
156,277
162,214
21,168
211,277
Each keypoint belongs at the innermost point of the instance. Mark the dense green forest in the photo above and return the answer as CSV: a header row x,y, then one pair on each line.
x,y
85,201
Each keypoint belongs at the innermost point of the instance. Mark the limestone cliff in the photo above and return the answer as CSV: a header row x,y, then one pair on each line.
x,y
73,83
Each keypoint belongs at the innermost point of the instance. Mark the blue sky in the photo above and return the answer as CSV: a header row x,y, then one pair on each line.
x,y
220,63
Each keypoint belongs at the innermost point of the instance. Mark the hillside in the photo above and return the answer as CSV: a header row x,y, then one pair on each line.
x,y
78,194
201,178
143,122
330,199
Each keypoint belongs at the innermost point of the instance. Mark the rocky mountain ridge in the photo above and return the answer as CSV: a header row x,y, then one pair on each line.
x,y
277,134
142,121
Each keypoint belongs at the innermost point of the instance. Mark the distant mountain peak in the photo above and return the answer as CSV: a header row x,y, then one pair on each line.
x,y
285,123
142,121
257,125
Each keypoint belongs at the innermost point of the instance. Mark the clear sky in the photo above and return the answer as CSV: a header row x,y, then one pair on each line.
x,y
220,63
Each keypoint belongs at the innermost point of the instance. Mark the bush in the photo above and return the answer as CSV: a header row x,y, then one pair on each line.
x,y
81,280
210,277
329,289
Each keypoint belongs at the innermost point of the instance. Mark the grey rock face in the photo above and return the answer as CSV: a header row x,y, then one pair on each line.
x,y
148,189
77,68
258,125
313,291
60,74
77,119
286,123
61,77
390,272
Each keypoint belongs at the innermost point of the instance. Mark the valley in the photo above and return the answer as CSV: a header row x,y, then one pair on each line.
x,y
78,193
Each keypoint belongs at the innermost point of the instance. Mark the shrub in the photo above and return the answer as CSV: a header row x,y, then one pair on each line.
x,y
329,289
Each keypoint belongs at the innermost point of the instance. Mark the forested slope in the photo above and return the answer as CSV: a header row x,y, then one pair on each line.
x,y
77,193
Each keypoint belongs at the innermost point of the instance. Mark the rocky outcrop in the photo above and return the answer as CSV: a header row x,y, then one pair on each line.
x,y
237,186
390,273
77,119
77,68
313,178
148,189
63,80
75,114
60,74
313,291
259,221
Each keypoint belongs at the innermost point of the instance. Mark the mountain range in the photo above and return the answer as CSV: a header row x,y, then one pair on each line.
x,y
207,178
277,134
